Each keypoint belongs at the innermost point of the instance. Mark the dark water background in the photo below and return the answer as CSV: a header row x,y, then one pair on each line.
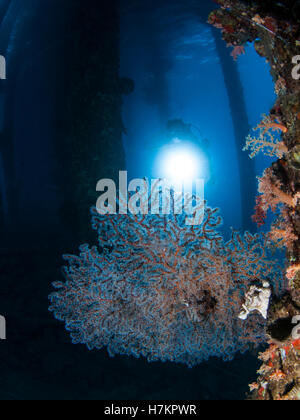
x,y
171,54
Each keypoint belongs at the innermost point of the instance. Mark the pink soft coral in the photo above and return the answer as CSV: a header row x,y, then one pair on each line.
x,y
272,194
237,51
282,232
292,271
266,142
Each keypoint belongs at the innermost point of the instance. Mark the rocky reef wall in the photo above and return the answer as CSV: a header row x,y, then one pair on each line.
x,y
274,28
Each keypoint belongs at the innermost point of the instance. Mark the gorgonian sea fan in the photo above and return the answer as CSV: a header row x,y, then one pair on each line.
x,y
161,289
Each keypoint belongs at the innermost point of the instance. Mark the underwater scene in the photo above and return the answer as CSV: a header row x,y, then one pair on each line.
x,y
149,202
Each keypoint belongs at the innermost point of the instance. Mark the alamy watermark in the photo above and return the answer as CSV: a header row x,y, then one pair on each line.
x,y
2,67
296,69
155,196
296,330
2,328
2,77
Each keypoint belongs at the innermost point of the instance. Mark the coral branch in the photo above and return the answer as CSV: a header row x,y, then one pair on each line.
x,y
272,194
158,288
266,142
292,271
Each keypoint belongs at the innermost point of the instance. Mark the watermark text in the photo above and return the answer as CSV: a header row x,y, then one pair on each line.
x,y
156,196
2,67
296,69
2,328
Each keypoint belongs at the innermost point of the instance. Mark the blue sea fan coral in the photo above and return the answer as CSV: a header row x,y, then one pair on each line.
x,y
157,288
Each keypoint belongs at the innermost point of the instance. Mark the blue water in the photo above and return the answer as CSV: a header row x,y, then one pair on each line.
x,y
173,61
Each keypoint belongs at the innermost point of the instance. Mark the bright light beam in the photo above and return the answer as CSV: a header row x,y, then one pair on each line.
x,y
181,164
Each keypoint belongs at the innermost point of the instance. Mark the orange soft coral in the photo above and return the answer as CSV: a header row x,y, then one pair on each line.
x,y
292,271
237,51
266,142
269,124
277,375
282,232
